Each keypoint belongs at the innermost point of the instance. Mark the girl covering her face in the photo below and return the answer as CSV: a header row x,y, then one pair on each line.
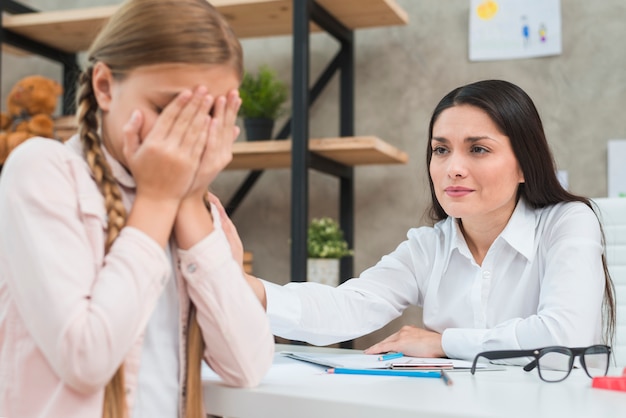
x,y
116,281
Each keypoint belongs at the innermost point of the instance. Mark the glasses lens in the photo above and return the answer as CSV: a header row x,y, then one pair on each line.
x,y
596,360
554,366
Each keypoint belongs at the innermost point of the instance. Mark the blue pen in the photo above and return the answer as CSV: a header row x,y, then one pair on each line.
x,y
384,372
390,356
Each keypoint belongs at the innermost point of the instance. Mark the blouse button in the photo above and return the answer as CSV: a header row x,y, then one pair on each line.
x,y
191,268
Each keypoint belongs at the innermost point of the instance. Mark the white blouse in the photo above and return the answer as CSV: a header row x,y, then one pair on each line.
x,y
541,283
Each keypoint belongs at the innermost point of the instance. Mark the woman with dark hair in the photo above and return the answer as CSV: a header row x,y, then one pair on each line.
x,y
513,261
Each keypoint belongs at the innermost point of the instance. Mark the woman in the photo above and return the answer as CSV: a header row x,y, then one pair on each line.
x,y
115,279
513,260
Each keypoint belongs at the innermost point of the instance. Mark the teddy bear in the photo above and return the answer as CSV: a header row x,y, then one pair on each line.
x,y
30,104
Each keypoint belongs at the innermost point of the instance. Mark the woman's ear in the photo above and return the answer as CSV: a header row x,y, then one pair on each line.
x,y
101,83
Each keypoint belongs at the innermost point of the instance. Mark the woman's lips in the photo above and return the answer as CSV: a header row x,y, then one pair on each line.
x,y
458,191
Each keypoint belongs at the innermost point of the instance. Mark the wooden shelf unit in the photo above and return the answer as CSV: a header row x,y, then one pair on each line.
x,y
60,35
351,151
74,30
274,154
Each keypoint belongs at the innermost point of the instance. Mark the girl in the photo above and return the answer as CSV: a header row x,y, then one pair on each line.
x,y
513,260
115,279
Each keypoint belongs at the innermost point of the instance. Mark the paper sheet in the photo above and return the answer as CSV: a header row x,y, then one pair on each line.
x,y
370,361
510,29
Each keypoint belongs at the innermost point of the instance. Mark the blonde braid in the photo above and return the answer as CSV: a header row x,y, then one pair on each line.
x,y
88,131
114,393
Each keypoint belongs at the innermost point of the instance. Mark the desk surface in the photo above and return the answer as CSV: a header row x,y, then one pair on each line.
x,y
293,388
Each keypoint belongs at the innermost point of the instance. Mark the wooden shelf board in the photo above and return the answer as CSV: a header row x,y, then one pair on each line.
x,y
74,30
259,155
350,151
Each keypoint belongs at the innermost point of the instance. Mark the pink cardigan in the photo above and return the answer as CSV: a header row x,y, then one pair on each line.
x,y
70,316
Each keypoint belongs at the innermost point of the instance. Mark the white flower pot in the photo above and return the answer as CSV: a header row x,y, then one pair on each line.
x,y
323,270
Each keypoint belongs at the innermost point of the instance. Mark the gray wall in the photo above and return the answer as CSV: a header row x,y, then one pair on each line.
x,y
401,73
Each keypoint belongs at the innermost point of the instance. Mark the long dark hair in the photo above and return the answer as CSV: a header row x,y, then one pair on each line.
x,y
516,116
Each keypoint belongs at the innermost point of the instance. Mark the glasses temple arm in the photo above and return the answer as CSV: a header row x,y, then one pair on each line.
x,y
499,355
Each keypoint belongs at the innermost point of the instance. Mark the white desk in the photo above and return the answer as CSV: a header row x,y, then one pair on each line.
x,y
296,389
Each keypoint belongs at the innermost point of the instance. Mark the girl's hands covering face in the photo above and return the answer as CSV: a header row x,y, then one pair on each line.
x,y
222,133
165,162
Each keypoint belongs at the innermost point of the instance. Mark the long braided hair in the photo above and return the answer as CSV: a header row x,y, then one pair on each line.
x,y
140,33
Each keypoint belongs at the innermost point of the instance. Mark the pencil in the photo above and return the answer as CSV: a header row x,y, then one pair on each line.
x,y
446,378
383,372
390,356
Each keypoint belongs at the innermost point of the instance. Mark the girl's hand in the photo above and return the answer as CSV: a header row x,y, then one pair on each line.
x,y
165,162
193,222
412,341
236,247
218,153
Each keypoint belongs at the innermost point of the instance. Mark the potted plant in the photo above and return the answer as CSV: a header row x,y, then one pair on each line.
x,y
262,98
325,246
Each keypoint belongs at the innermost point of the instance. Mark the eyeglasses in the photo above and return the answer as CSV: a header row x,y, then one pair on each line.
x,y
555,363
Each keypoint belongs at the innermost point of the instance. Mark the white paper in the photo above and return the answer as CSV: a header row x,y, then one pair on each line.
x,y
370,361
511,29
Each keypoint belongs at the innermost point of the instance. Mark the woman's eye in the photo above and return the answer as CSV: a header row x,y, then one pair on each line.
x,y
479,150
439,150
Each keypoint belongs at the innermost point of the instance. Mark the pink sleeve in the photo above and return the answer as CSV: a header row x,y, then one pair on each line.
x,y
240,345
83,314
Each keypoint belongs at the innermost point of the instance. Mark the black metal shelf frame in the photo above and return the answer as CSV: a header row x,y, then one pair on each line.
x,y
305,11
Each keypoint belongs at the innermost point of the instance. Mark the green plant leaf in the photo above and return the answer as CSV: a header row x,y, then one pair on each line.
x,y
325,239
262,95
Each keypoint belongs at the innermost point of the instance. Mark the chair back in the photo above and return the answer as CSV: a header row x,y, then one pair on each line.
x,y
612,214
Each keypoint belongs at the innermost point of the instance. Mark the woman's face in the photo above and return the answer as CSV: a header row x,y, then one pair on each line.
x,y
149,89
474,171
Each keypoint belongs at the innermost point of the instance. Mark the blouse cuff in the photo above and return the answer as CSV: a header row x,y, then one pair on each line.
x,y
463,343
210,253
283,308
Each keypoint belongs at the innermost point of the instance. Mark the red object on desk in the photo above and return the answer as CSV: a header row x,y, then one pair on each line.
x,y
610,382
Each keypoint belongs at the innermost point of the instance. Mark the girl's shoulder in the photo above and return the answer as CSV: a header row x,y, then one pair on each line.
x,y
38,162
38,152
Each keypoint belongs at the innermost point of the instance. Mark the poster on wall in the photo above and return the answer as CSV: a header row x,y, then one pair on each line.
x,y
513,29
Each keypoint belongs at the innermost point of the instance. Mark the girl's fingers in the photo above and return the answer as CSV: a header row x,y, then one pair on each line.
x,y
164,123
188,116
219,110
131,134
199,146
197,133
232,108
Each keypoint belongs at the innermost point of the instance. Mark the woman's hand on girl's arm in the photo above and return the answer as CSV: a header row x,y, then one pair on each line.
x,y
411,341
236,246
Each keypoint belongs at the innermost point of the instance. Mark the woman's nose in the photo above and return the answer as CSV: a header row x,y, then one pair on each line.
x,y
457,166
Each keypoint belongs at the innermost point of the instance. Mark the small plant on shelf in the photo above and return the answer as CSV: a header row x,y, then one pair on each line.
x,y
326,240
262,101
